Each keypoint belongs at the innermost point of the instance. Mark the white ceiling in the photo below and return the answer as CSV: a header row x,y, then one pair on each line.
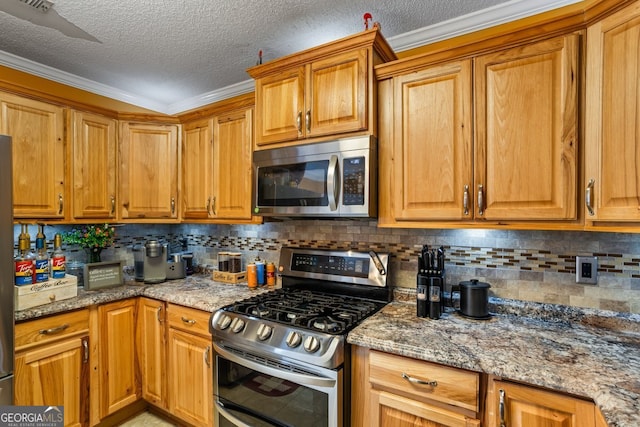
x,y
175,55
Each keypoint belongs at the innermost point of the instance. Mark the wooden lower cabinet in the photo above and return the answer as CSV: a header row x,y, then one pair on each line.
x,y
519,405
118,378
397,391
151,342
190,372
52,364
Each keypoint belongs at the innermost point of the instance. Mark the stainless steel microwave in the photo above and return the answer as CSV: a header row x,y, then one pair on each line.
x,y
326,179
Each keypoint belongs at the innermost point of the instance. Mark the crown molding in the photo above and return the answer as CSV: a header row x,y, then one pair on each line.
x,y
496,15
485,18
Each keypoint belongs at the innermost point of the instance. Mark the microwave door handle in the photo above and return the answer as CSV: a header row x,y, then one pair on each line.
x,y
333,182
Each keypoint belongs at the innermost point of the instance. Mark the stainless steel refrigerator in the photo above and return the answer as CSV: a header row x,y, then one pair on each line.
x,y
7,270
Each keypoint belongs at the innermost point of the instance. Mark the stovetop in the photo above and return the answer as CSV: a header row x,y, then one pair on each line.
x,y
305,309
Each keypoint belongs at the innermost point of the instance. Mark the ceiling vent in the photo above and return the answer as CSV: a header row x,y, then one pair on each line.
x,y
41,5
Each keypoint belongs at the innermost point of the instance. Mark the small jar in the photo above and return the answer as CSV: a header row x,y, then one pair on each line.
x,y
235,262
223,261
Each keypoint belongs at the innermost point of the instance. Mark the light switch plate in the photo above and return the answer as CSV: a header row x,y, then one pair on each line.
x,y
587,269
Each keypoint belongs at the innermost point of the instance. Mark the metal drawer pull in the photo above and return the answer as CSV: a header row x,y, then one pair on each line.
x,y
158,314
299,122
60,204
418,381
85,347
502,423
587,197
207,357
480,200
465,200
55,330
188,321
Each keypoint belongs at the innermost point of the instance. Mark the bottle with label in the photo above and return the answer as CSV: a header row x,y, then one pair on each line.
x,y
42,257
25,260
58,259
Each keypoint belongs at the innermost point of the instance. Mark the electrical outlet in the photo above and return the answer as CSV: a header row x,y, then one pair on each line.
x,y
587,269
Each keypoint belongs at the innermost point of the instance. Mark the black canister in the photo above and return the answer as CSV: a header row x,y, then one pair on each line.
x,y
474,299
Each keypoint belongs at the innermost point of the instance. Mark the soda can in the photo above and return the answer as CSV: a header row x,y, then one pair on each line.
x,y
252,276
271,274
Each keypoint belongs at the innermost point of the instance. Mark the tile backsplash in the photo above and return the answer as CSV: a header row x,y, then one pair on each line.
x,y
527,265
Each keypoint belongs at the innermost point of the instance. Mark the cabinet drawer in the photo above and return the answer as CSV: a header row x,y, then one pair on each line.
x,y
189,319
452,386
48,329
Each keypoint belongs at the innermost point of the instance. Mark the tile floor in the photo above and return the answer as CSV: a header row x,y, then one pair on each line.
x,y
146,419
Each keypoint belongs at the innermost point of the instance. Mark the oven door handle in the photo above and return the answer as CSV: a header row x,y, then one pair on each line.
x,y
305,380
333,183
222,410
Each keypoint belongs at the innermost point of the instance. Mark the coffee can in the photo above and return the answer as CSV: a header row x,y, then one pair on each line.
x,y
252,276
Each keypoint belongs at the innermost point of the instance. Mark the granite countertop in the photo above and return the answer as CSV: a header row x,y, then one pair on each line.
x,y
583,352
197,291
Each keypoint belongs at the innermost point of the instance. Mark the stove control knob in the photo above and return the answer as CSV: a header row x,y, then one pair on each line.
x,y
311,344
293,339
237,325
264,331
224,321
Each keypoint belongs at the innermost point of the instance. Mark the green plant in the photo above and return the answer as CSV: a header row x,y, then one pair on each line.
x,y
91,236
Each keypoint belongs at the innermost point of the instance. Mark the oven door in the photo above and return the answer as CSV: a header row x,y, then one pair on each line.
x,y
257,391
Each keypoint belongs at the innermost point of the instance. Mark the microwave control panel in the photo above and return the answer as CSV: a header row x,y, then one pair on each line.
x,y
354,181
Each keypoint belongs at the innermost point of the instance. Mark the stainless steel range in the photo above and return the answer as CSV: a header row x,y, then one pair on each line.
x,y
281,356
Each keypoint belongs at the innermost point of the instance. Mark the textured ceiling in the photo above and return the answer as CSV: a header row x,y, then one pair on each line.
x,y
165,54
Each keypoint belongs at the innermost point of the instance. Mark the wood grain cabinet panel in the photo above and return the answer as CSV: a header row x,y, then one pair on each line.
x,y
148,171
151,342
39,156
613,118
94,148
197,169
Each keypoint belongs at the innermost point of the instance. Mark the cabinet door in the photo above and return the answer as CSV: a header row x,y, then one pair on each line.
x,y
232,165
152,350
336,97
94,166
390,410
613,117
525,406
197,170
190,377
118,379
280,107
56,374
39,153
432,144
148,171
526,131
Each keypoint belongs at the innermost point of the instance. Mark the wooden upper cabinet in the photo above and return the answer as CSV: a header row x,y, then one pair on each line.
x,y
432,161
197,169
232,172
148,171
612,172
326,90
525,148
93,166
39,156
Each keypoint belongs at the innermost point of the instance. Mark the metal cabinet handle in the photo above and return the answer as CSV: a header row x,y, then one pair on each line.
x,y
465,200
480,200
85,349
55,330
173,206
158,314
307,120
299,122
209,206
587,197
113,205
213,205
188,321
501,409
419,381
60,204
207,356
